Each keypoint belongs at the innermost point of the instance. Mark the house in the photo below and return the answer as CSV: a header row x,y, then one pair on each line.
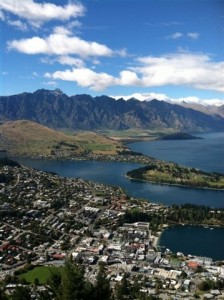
x,y
58,256
193,264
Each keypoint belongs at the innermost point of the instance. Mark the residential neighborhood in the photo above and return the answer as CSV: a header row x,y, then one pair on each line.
x,y
46,219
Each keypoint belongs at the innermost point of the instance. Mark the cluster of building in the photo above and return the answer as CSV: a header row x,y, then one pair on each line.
x,y
45,218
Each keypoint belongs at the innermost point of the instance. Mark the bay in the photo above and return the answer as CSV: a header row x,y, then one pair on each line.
x,y
194,240
206,153
113,173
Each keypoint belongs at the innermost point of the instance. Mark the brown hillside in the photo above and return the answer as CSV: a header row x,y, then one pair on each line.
x,y
32,139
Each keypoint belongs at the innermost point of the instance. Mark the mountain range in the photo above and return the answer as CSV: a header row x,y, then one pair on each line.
x,y
54,109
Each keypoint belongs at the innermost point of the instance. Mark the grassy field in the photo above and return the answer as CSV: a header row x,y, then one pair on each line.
x,y
97,143
42,273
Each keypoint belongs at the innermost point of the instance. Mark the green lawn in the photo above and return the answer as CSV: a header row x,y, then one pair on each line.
x,y
42,273
175,261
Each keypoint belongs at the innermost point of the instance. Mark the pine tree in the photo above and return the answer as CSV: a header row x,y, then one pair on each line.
x,y
21,293
102,286
122,289
73,284
55,282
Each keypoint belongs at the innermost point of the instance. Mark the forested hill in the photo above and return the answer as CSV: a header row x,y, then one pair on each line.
x,y
57,110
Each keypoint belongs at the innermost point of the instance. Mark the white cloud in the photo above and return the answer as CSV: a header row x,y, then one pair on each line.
x,y
35,74
85,78
50,83
175,36
18,24
38,13
143,96
74,24
34,45
2,17
47,60
193,35
178,69
129,78
95,62
201,101
64,60
68,60
61,30
178,35
164,24
164,97
60,43
188,69
122,52
196,71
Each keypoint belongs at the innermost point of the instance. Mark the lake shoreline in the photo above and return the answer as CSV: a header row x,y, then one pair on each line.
x,y
139,159
174,184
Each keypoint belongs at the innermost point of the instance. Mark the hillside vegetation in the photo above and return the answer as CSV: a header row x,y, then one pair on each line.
x,y
32,139
172,173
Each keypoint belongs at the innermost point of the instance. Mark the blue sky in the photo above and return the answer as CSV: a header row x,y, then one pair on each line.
x,y
165,49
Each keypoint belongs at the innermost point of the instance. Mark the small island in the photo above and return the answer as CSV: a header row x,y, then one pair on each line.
x,y
171,173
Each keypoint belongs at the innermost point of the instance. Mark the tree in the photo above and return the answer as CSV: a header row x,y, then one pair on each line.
x,y
205,285
73,285
36,282
21,293
102,287
122,289
55,281
2,294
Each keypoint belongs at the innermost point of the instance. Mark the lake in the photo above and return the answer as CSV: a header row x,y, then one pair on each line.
x,y
206,153
194,240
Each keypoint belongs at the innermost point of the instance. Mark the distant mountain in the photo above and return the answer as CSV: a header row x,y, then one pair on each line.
x,y
221,110
56,110
207,109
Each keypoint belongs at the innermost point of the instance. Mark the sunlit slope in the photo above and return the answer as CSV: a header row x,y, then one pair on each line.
x,y
32,139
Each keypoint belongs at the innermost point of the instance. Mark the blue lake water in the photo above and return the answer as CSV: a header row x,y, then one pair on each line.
x,y
206,154
113,173
194,240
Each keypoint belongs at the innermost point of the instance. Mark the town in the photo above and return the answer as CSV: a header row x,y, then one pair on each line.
x,y
46,219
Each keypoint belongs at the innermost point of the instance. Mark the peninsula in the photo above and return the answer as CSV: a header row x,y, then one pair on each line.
x,y
179,136
171,173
